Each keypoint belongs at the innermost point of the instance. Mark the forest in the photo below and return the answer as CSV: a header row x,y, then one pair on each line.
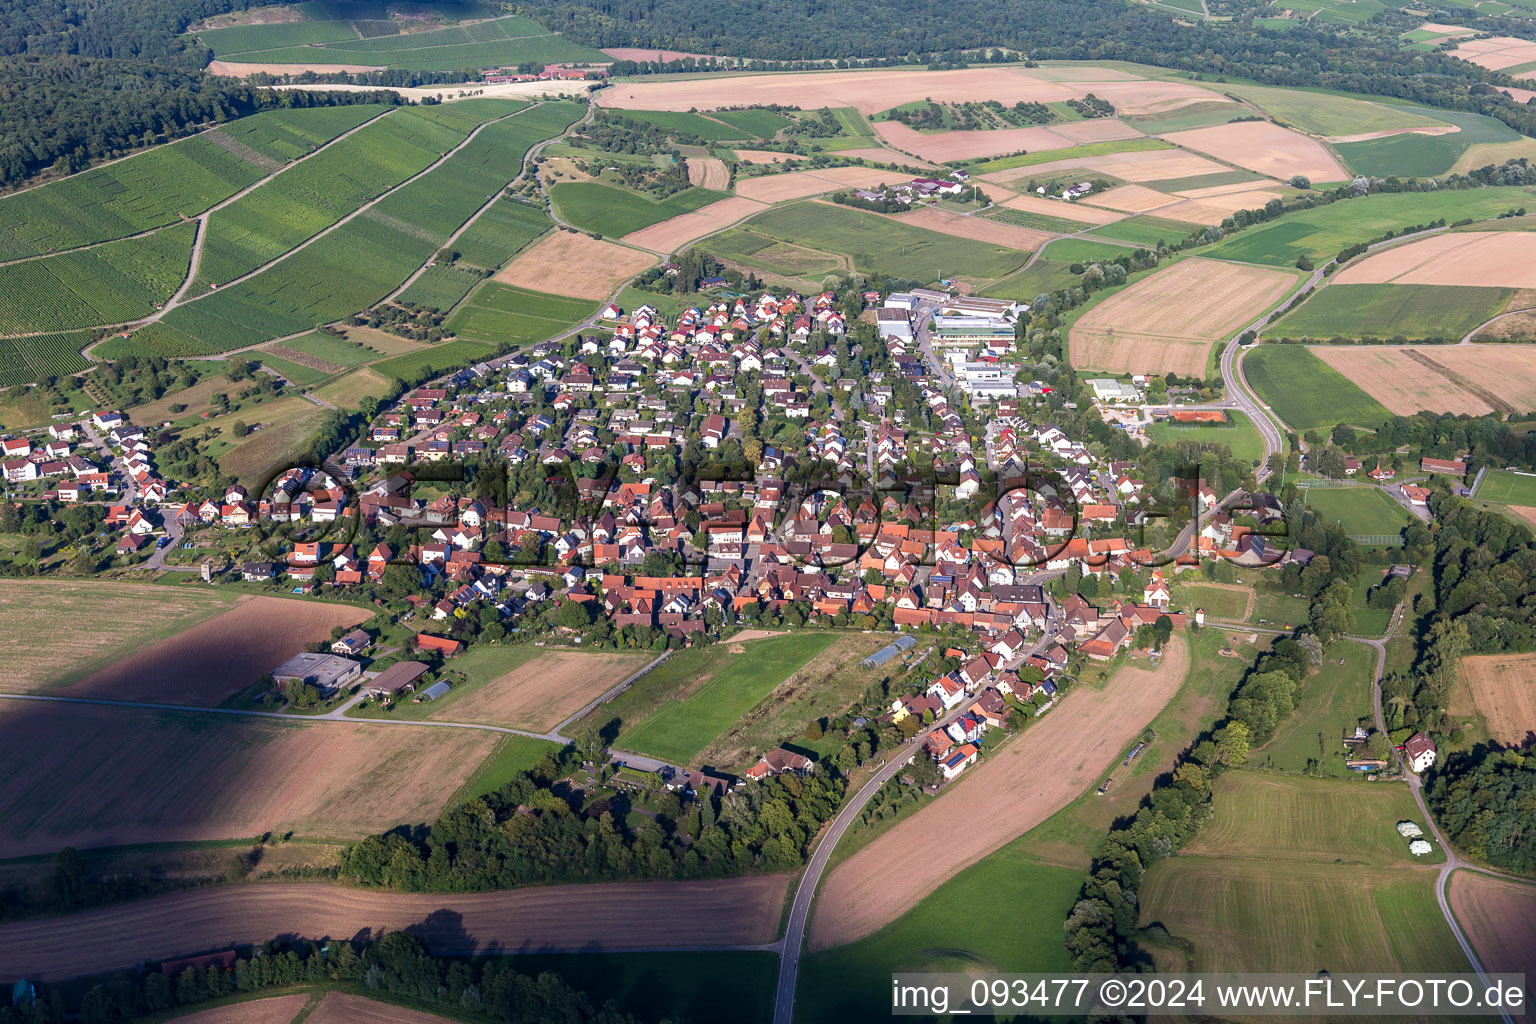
x,y
1484,804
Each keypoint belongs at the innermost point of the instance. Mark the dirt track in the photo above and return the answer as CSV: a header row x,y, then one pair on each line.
x,y
611,915
1012,791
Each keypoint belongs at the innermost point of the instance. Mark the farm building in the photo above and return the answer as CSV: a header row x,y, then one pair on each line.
x,y
1419,751
325,672
1450,467
395,680
432,692
428,642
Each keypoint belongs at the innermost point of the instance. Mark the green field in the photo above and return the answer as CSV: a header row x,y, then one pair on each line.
x,y
1297,874
1039,221
107,284
1241,436
1329,704
758,124
1042,276
722,688
299,203
504,41
1147,231
1413,311
1424,155
703,987
500,312
1053,155
1505,488
1324,113
1226,603
499,232
881,244
357,264
332,349
434,358
513,754
1321,232
1361,511
707,128
1084,251
606,210
297,373
1306,392
165,183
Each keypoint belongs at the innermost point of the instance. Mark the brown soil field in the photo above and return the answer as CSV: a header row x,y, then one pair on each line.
x,y
968,145
672,234
1131,199
1154,326
1448,30
544,692
1504,693
277,1010
1221,190
1145,165
57,632
638,53
1215,209
779,188
221,656
1145,99
869,91
1497,53
582,265
1519,95
1007,794
229,69
1526,512
1499,916
608,915
756,634
1096,129
979,228
1059,208
878,155
1497,259
1472,379
709,172
1263,147
114,776
345,1008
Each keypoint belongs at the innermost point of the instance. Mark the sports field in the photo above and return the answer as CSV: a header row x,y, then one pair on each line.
x,y
1321,232
1297,874
1153,327
1360,510
1412,311
1474,379
1305,391
1240,435
721,687
1507,488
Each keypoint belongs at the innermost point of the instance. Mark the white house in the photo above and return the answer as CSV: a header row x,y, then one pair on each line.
x,y
1419,752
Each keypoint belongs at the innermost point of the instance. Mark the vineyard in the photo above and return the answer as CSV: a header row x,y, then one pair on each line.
x,y
441,288
107,284
500,232
161,185
46,355
365,259
306,200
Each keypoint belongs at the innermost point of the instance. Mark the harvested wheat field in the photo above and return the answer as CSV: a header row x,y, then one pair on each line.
x,y
968,145
221,656
544,692
232,69
1096,129
58,632
1168,321
345,1008
1144,165
779,188
1146,99
877,155
869,91
1061,208
1519,95
1215,209
112,776
1495,259
1504,693
675,232
1130,199
1263,147
574,264
607,915
1499,916
277,1010
1497,53
1472,379
1006,795
708,172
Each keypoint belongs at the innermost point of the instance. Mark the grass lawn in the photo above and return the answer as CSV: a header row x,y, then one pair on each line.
x,y
499,312
1041,276
1505,488
610,211
478,665
433,359
1241,436
1361,510
1306,392
1369,621
1412,311
1053,155
295,373
1227,603
1084,251
511,755
717,689
704,987
1320,233
350,389
286,427
1329,704
1146,231
1274,606
332,349
1323,113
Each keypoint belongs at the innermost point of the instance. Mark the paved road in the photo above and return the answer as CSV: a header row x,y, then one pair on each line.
x,y
130,487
